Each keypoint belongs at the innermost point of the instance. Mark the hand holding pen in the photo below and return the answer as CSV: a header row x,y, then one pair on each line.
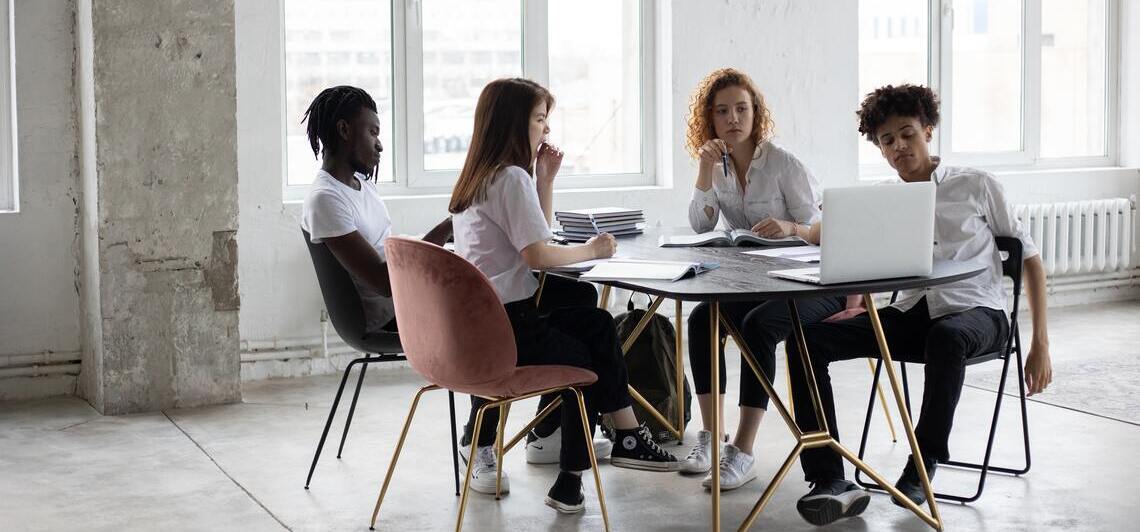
x,y
715,151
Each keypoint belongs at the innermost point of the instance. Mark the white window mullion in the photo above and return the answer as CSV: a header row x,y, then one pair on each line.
x,y
934,62
414,93
536,43
1112,121
1031,81
400,139
9,165
942,18
647,59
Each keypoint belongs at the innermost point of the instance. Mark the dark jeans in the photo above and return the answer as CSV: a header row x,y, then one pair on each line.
x,y
942,344
764,324
581,336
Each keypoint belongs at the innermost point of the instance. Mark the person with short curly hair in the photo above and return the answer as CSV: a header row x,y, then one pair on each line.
x,y
941,327
756,186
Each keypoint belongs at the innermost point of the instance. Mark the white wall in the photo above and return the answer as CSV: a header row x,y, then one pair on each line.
x,y
39,303
800,53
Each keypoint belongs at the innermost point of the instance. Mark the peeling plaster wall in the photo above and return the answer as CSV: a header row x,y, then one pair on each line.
x,y
166,195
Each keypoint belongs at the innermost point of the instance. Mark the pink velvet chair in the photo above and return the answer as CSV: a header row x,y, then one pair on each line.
x,y
456,335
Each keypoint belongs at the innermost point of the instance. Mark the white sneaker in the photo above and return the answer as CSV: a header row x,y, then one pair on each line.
x,y
700,458
483,472
736,469
546,450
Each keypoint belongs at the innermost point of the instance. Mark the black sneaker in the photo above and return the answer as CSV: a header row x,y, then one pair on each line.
x,y
829,500
635,449
911,485
565,495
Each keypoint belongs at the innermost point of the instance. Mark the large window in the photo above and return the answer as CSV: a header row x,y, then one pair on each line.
x,y
426,61
1023,82
9,184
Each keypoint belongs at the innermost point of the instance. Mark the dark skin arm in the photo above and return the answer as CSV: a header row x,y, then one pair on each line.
x,y
363,262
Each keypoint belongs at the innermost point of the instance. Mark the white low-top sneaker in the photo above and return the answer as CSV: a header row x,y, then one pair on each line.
x,y
483,472
700,457
546,450
736,469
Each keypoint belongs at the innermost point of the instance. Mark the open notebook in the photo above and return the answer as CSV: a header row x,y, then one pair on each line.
x,y
654,270
727,237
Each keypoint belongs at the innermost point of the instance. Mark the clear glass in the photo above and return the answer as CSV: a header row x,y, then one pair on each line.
x,y
596,83
1073,78
987,71
893,49
466,44
324,48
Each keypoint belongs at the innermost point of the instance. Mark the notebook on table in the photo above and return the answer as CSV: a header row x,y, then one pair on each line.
x,y
728,238
645,270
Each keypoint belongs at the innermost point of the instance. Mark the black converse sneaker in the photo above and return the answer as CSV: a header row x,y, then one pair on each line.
x,y
566,494
829,500
635,449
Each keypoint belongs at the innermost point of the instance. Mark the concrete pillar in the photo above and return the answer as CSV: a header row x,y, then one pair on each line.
x,y
158,167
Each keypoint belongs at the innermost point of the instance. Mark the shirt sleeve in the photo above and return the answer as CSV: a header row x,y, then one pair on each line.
x,y
519,210
699,220
327,216
802,196
1002,218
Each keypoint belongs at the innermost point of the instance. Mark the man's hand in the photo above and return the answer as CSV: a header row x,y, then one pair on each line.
x,y
1038,369
854,308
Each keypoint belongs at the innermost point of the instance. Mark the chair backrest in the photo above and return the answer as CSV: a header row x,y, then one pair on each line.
x,y
454,329
342,300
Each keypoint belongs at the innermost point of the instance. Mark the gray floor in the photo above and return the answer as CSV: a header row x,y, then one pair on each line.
x,y
242,466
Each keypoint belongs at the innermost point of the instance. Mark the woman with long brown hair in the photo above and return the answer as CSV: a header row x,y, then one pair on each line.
x,y
501,210
754,185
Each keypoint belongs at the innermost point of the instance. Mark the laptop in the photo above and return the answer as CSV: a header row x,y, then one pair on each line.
x,y
873,232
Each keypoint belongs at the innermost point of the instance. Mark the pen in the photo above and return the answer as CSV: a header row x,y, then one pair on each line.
x,y
724,161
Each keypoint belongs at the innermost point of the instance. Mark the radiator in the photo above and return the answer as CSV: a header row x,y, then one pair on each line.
x,y
1077,237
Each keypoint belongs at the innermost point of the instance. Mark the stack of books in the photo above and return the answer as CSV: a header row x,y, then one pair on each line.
x,y
582,224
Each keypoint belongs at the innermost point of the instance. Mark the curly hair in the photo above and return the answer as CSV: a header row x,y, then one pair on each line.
x,y
700,124
904,100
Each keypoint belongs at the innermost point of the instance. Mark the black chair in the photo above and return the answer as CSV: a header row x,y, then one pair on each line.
x,y
342,301
1011,267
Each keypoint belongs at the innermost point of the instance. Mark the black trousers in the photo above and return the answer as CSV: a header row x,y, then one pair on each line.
x,y
581,336
764,324
942,344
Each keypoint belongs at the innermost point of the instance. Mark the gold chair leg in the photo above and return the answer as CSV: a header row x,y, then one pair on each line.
x,y
883,403
593,459
504,409
396,453
470,465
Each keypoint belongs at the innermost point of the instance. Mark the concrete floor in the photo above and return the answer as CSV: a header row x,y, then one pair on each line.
x,y
242,466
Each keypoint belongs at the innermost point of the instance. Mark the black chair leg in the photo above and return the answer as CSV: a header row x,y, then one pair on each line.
x,y
328,422
351,409
454,441
867,425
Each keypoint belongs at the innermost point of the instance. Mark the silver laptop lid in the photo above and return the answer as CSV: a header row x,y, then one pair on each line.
x,y
877,232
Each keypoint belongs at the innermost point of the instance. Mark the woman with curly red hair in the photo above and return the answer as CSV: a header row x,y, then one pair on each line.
x,y
765,189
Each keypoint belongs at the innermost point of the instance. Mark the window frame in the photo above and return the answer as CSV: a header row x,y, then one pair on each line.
x,y
940,77
411,178
9,171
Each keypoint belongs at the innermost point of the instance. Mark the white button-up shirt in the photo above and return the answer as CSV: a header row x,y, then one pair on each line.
x,y
970,209
778,186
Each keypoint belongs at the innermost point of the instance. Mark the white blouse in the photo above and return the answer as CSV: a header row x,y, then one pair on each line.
x,y
778,186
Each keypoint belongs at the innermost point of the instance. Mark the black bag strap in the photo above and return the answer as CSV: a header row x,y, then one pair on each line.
x,y
629,306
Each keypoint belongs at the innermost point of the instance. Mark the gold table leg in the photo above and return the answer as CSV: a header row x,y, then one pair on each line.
x,y
822,438
883,402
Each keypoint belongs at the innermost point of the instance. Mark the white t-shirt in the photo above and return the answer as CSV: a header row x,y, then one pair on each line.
x,y
333,209
492,234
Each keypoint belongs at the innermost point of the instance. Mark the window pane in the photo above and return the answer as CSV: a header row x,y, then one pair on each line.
x,y
466,44
892,51
324,48
986,67
596,83
1073,59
